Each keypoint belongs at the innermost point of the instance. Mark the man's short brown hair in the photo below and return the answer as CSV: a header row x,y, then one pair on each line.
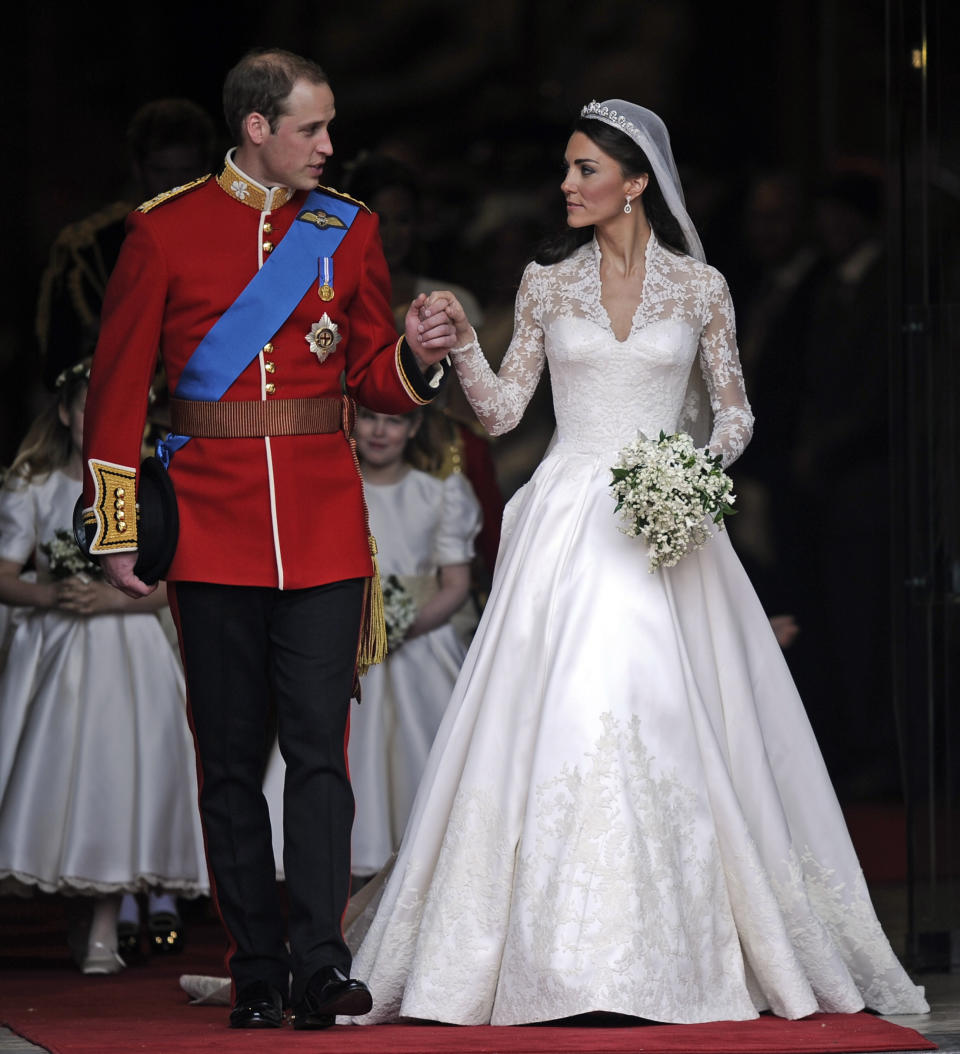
x,y
260,83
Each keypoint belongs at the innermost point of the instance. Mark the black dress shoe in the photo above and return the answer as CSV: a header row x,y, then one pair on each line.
x,y
330,992
258,1005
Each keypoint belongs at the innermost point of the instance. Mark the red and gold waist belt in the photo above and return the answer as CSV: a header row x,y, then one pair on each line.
x,y
250,419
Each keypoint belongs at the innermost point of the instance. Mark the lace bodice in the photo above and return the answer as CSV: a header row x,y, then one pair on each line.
x,y
682,338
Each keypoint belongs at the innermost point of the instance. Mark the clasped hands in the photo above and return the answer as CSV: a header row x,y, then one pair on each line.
x,y
435,324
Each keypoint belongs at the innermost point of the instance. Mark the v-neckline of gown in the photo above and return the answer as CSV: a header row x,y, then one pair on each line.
x,y
604,314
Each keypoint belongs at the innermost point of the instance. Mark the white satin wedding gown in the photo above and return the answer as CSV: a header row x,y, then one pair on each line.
x,y
625,809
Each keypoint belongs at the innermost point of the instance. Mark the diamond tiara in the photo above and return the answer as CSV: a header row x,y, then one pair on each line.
x,y
611,117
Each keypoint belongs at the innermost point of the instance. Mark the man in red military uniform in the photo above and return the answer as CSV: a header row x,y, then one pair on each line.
x,y
270,574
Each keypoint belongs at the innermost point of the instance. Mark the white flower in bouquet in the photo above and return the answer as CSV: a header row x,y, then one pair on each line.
x,y
399,611
666,489
65,557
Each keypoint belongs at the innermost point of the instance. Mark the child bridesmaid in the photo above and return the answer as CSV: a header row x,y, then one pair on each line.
x,y
97,774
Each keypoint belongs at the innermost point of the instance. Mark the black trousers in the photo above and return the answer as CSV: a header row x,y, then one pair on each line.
x,y
242,647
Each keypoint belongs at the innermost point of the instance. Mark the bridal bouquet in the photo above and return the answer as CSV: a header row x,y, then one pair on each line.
x,y
65,558
665,489
399,611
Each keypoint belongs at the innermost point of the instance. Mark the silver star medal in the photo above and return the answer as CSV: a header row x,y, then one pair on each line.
x,y
323,337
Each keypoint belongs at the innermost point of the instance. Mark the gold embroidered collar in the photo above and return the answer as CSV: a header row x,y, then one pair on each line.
x,y
247,190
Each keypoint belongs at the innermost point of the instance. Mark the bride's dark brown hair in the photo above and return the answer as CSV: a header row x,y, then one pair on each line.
x,y
632,161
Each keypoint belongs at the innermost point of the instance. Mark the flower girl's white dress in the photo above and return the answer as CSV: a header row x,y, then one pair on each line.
x,y
625,809
98,782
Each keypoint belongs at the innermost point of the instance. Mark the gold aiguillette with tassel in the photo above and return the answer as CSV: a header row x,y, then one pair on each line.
x,y
373,632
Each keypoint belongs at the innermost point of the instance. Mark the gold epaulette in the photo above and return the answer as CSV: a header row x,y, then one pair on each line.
x,y
174,192
333,192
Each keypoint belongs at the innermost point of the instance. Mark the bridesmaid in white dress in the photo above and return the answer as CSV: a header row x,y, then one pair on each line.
x,y
98,788
625,809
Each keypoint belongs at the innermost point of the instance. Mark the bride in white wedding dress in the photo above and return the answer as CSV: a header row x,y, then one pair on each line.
x,y
625,809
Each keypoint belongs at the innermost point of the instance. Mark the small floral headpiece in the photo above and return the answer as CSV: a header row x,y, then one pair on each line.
x,y
79,370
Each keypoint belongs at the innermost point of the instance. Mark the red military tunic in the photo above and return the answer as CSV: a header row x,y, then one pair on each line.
x,y
282,511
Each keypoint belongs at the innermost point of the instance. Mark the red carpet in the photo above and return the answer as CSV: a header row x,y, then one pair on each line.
x,y
143,1010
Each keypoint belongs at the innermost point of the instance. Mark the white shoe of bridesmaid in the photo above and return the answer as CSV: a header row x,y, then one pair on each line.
x,y
101,960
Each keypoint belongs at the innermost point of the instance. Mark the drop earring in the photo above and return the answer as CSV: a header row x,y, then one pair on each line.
x,y
628,208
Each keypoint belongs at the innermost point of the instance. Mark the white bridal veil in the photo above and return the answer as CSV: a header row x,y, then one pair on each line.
x,y
649,132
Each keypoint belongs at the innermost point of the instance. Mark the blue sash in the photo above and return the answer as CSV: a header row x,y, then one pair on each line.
x,y
267,301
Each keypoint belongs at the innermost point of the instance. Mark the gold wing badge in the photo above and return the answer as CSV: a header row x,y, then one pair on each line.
x,y
321,219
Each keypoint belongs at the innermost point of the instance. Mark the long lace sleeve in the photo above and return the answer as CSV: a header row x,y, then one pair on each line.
x,y
720,363
499,399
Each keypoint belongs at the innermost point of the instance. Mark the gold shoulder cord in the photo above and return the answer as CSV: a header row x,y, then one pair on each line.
x,y
174,192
